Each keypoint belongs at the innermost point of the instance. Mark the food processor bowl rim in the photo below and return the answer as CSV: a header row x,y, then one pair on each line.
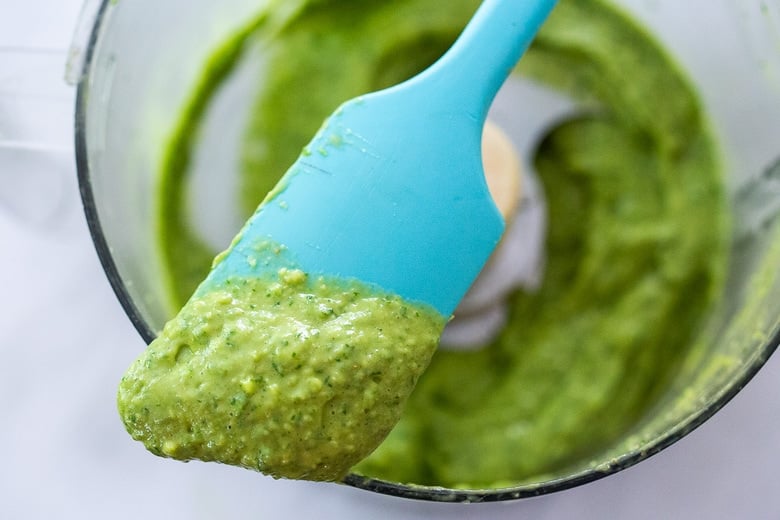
x,y
85,184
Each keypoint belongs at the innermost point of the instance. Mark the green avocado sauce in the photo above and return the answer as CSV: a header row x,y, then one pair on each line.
x,y
293,378
636,246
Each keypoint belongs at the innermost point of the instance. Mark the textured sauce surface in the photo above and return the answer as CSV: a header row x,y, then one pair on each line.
x,y
293,378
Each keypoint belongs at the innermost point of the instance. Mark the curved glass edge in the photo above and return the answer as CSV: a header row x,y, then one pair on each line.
x,y
85,184
436,494
427,493
74,68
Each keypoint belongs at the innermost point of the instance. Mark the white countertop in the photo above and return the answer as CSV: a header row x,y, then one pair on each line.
x,y
65,343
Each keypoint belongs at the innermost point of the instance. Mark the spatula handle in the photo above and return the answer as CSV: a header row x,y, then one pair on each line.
x,y
479,62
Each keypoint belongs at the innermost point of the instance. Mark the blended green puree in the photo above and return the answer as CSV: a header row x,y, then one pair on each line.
x,y
293,378
636,245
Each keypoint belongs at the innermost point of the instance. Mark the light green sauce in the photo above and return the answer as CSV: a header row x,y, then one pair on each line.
x,y
637,243
293,378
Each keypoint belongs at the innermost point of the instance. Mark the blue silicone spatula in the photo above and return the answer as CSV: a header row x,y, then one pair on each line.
x,y
391,190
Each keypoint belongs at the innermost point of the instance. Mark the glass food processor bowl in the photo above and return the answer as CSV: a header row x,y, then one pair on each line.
x,y
139,75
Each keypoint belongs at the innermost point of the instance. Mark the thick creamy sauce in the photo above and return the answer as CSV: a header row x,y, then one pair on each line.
x,y
295,378
637,241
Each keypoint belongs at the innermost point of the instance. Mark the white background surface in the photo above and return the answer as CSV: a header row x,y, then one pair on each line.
x,y
65,343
